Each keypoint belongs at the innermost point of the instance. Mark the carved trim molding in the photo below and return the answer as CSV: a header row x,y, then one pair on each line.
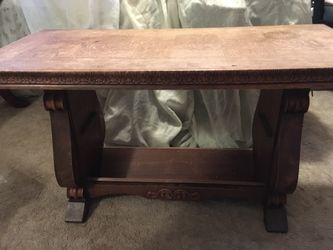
x,y
297,78
168,194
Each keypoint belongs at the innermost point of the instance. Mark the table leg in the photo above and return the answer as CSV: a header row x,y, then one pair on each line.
x,y
277,132
78,134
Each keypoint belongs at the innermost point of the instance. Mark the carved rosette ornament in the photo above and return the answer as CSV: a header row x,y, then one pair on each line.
x,y
178,194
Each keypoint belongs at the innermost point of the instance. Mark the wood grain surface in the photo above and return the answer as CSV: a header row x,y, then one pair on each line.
x,y
295,56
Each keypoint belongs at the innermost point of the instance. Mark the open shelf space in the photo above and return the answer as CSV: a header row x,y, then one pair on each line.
x,y
183,164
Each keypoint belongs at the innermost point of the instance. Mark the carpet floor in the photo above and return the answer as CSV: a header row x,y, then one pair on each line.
x,y
32,205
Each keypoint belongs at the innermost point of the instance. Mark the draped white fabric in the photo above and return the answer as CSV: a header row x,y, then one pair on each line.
x,y
12,22
64,14
210,118
13,27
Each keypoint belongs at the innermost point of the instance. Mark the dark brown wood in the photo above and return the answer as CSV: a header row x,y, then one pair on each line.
x,y
264,133
268,57
178,163
176,174
78,136
275,213
15,101
283,174
175,189
77,133
275,219
285,61
277,132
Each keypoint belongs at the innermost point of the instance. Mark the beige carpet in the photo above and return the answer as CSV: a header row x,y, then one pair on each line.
x,y
32,205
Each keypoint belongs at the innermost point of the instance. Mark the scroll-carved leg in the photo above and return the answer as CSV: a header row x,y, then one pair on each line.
x,y
78,136
277,140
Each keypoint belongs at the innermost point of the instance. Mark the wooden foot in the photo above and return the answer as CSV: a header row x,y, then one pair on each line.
x,y
76,211
77,206
275,214
275,218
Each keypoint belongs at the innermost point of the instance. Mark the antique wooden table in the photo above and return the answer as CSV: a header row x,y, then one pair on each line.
x,y
285,62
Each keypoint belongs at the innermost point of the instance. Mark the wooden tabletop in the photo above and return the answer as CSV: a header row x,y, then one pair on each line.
x,y
295,56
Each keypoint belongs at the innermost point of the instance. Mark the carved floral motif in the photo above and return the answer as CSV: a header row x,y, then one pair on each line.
x,y
168,194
